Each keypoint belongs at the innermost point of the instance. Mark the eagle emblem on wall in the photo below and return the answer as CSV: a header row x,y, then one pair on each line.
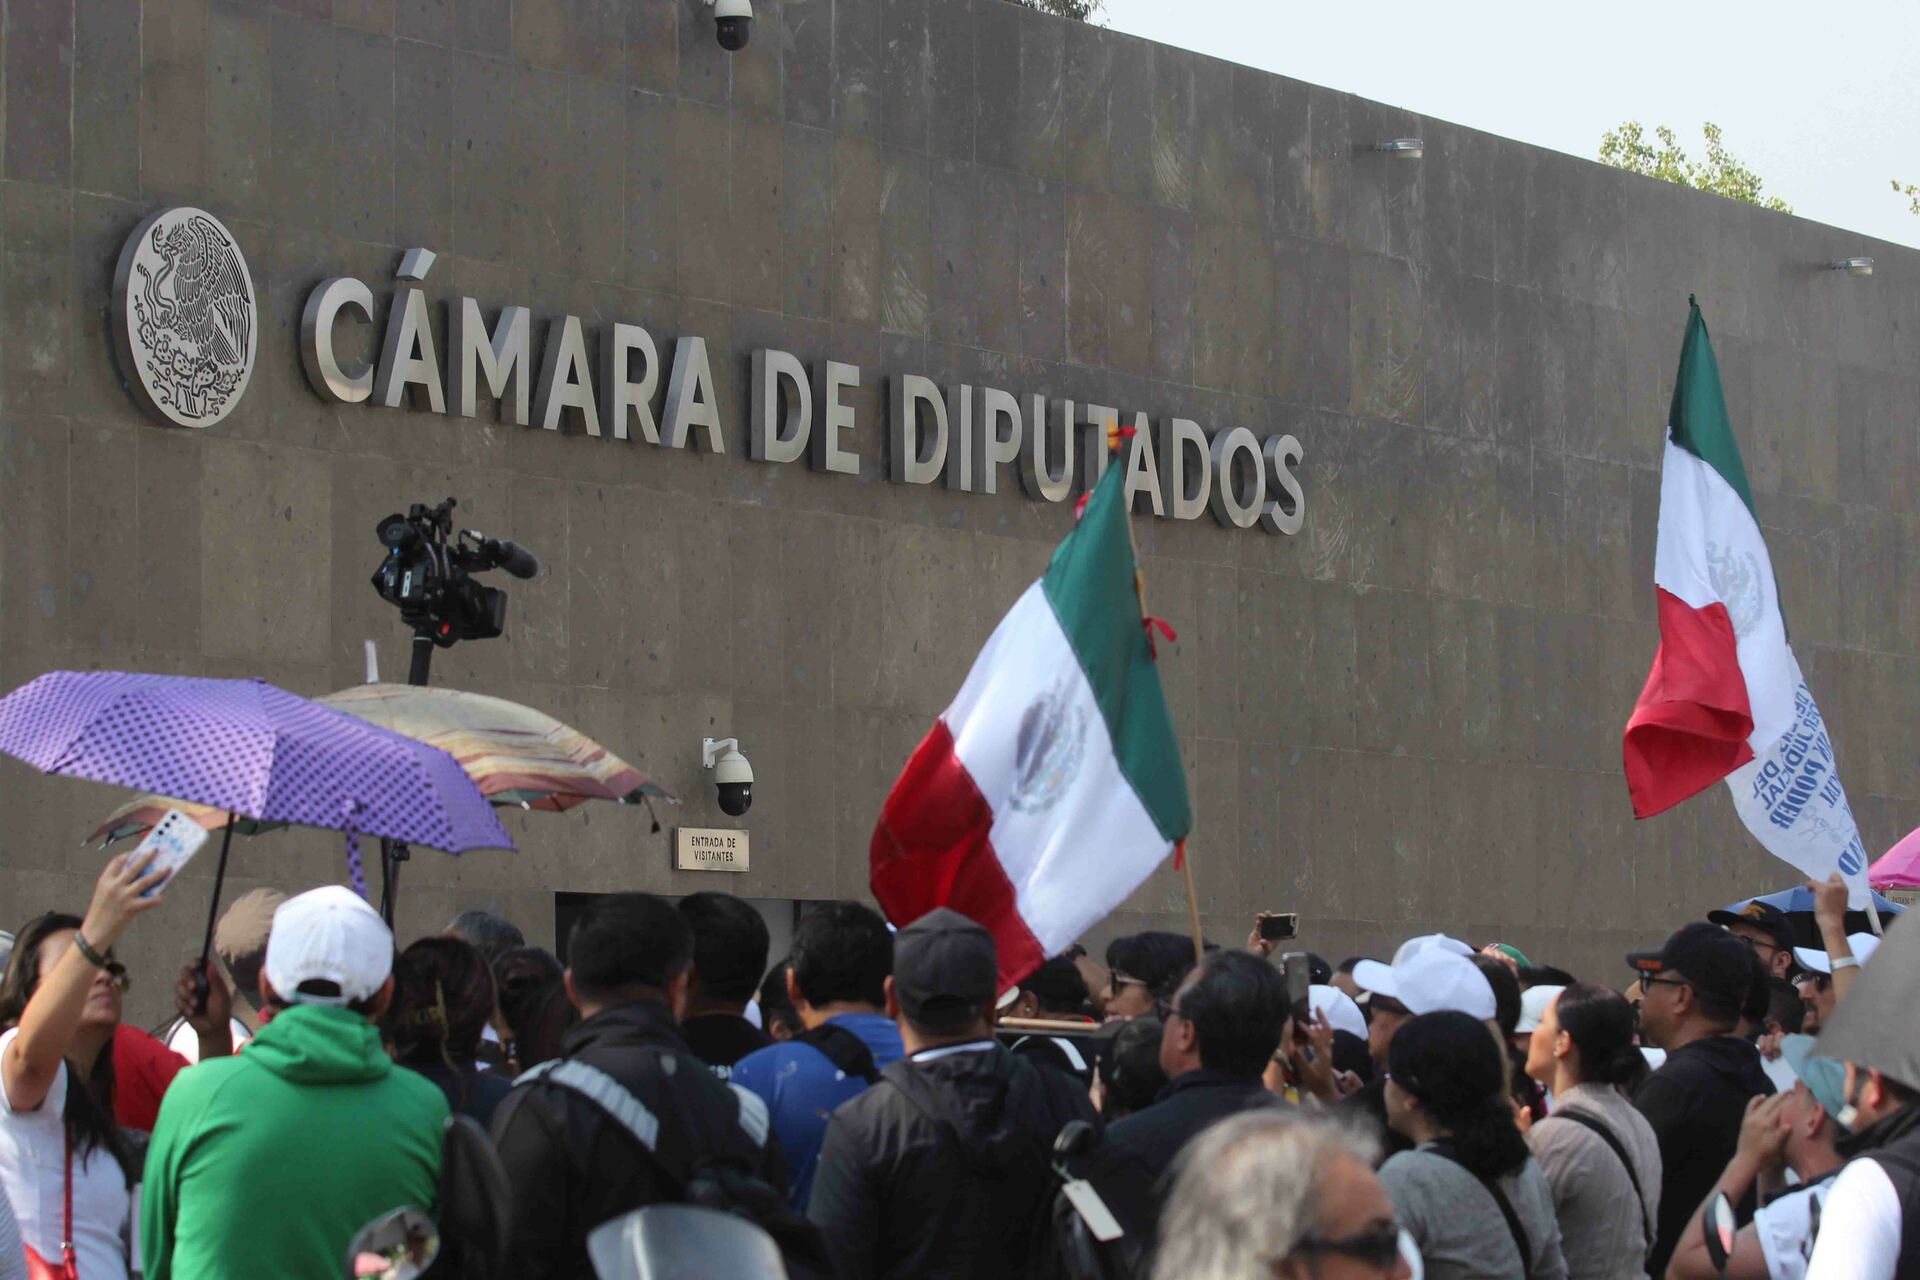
x,y
185,317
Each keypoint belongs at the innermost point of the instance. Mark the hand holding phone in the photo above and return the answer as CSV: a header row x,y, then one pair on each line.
x,y
1278,926
173,841
1296,966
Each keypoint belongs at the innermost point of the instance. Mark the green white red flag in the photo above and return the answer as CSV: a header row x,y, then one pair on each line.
x,y
1725,698
1052,786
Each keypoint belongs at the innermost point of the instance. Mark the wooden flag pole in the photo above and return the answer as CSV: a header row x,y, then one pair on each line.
x,y
1193,904
1873,915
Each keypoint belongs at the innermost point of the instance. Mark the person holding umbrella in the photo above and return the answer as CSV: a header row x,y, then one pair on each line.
x,y
63,1164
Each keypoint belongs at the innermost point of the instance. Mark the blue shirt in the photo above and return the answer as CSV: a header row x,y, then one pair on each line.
x,y
801,1088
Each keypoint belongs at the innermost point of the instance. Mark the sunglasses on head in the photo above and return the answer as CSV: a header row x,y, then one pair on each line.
x,y
1376,1246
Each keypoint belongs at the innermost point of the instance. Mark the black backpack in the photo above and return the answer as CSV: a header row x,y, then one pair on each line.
x,y
845,1050
711,1183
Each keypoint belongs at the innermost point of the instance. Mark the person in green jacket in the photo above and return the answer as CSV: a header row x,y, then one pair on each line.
x,y
268,1162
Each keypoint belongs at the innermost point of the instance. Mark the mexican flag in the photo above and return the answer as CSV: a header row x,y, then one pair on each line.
x,y
1052,786
1725,698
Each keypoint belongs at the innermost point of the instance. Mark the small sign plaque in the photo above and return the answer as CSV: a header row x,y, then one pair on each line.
x,y
709,849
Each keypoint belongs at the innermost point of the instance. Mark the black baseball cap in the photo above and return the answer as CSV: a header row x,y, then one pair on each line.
x,y
944,969
1761,915
1718,965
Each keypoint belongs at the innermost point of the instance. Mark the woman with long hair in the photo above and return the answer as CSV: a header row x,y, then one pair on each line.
x,y
63,1164
1469,1192
443,999
533,1005
1599,1153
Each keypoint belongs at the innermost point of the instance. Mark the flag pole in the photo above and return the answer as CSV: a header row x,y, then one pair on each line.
x,y
1193,903
1873,915
1181,858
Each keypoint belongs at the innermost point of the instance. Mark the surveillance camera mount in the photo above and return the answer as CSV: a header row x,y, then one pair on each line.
x,y
711,749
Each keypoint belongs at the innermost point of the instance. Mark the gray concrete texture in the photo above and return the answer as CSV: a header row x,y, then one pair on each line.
x,y
1405,718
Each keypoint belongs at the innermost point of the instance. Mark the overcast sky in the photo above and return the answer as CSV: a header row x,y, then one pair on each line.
x,y
1822,100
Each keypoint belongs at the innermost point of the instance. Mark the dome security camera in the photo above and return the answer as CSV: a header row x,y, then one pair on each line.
x,y
732,23
732,775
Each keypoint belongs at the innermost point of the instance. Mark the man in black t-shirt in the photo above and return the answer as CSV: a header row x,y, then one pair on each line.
x,y
729,953
1695,986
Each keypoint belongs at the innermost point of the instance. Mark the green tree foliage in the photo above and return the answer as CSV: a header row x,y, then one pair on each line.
x,y
1628,148
1911,191
1078,10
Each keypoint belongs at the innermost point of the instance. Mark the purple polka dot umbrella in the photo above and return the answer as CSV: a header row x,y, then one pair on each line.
x,y
252,749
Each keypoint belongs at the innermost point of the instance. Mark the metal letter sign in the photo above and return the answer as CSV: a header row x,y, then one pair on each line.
x,y
709,849
186,324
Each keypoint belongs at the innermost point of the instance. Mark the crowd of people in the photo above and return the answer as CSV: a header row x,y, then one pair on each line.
x,y
878,1106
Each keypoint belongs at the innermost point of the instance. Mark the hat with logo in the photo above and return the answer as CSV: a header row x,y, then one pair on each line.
x,y
1428,981
1533,1007
1414,946
329,935
944,968
1338,1008
1862,945
1761,915
1714,962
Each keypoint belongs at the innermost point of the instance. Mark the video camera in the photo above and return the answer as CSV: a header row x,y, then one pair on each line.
x,y
427,574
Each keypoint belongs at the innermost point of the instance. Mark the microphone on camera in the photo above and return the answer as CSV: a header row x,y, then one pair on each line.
x,y
515,559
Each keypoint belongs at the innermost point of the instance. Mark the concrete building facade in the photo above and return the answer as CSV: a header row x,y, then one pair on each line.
x,y
1404,716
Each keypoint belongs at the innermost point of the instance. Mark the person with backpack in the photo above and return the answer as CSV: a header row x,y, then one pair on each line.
x,y
836,980
1599,1153
627,1116
1469,1193
942,1168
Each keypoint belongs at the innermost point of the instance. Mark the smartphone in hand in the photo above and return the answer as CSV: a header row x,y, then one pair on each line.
x,y
1296,967
1279,926
173,841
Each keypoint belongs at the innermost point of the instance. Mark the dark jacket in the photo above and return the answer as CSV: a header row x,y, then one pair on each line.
x,y
572,1167
942,1168
722,1039
1695,1103
1129,1169
469,1091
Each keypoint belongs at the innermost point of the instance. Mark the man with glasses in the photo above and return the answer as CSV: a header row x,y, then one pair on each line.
x,y
1278,1194
1816,981
1221,1030
1764,928
1695,986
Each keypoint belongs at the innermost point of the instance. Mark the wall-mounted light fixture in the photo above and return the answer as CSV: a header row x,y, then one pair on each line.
x,y
1852,266
1402,148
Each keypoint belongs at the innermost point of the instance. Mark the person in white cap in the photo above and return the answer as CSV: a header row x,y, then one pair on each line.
x,y
1825,975
1428,975
268,1162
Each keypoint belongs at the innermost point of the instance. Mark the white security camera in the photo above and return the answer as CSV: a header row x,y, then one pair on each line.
x,y
731,22
732,775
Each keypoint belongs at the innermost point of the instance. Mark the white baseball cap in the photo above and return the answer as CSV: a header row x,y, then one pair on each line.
x,y
1428,981
1414,946
1862,945
331,935
1338,1008
1533,1007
